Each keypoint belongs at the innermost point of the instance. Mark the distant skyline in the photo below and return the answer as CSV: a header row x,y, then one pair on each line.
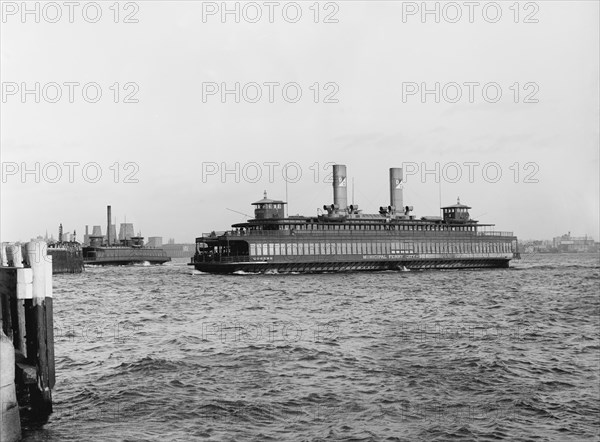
x,y
154,161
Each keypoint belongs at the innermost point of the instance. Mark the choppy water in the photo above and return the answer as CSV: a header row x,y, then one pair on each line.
x,y
167,353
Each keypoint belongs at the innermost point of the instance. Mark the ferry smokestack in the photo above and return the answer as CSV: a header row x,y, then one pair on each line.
x,y
396,199
108,218
340,187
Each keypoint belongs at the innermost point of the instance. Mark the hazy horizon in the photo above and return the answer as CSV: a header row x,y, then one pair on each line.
x,y
533,152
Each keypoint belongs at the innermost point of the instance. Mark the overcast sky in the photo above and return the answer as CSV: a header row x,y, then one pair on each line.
x,y
371,61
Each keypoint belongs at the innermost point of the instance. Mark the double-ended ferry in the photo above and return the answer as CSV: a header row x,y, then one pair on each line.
x,y
341,238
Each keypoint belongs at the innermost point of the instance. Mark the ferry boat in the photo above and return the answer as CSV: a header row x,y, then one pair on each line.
x,y
342,238
103,250
66,254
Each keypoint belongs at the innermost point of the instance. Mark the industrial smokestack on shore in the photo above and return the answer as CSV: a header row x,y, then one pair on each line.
x,y
340,187
396,200
108,218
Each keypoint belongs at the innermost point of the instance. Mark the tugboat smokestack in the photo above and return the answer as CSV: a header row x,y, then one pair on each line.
x,y
108,218
340,187
396,199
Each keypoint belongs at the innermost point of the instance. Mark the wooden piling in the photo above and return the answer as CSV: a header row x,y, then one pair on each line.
x,y
27,319
10,423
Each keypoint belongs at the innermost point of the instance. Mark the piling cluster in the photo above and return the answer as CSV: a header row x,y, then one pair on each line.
x,y
26,320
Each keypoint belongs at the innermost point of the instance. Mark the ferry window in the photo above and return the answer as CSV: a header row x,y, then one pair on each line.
x,y
277,249
353,248
379,248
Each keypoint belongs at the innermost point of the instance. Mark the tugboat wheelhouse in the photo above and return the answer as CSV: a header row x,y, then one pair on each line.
x,y
342,238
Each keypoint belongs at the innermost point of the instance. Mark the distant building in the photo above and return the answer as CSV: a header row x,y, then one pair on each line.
x,y
154,241
126,231
97,231
568,243
113,235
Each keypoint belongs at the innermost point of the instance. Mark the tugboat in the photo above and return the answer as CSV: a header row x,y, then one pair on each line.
x,y
130,249
342,238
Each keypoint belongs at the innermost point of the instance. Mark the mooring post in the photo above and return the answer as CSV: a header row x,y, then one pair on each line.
x,y
40,341
3,259
14,256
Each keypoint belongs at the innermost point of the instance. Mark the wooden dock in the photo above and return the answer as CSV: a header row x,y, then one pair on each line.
x,y
26,319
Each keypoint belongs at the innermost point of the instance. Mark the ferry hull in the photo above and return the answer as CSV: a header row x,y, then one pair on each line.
x,y
124,261
123,256
320,267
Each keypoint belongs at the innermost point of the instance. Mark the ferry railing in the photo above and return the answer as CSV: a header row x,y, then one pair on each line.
x,y
353,233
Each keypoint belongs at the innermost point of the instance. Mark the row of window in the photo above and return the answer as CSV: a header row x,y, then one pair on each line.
x,y
362,227
378,248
